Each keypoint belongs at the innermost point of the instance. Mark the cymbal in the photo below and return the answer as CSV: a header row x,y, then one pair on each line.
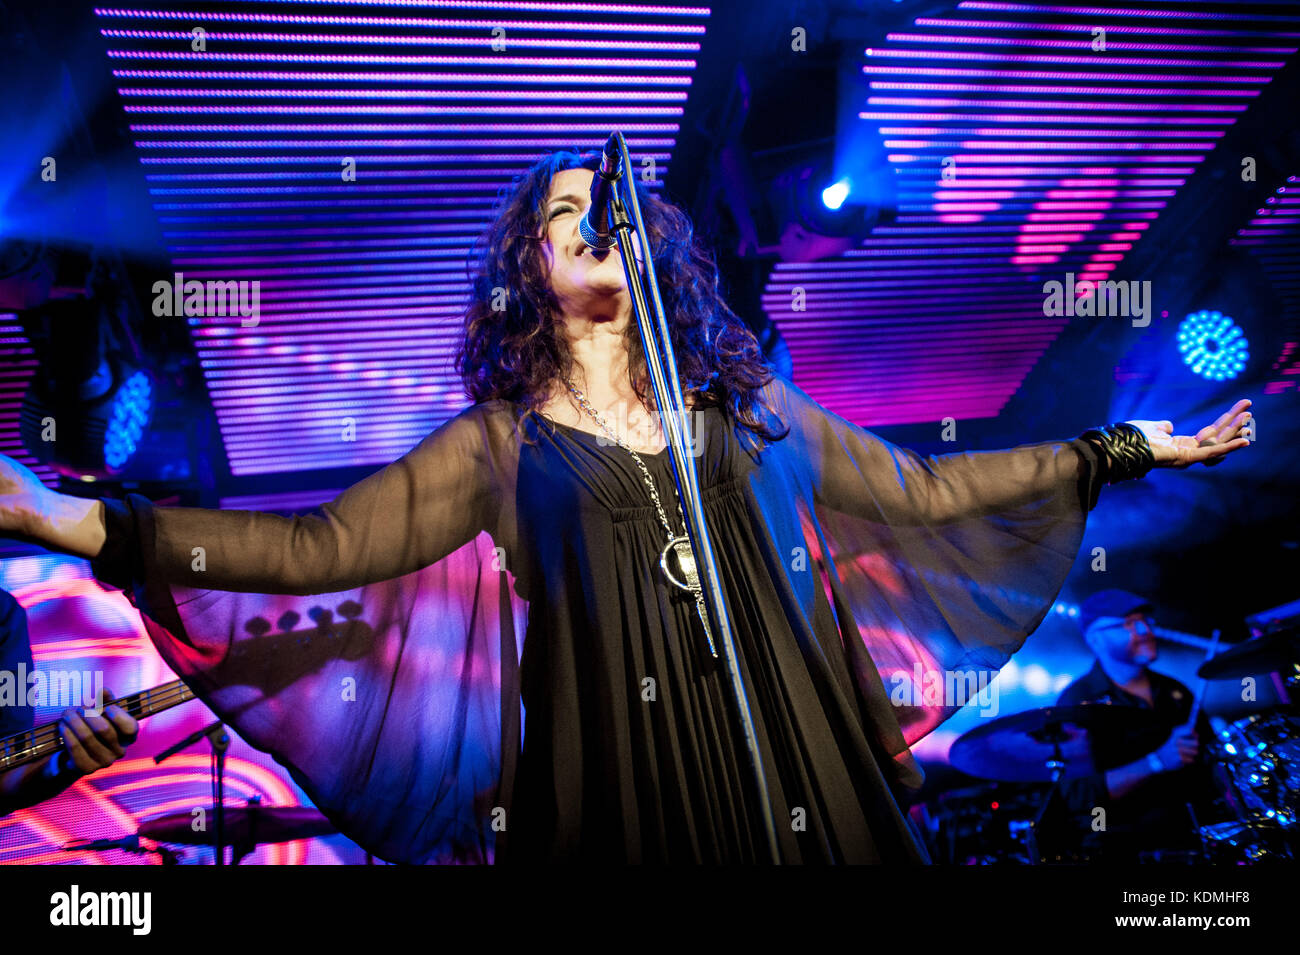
x,y
1266,654
243,826
1091,736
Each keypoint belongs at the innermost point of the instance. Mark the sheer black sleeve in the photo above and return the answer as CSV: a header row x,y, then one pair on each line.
x,y
938,568
413,512
370,647
861,474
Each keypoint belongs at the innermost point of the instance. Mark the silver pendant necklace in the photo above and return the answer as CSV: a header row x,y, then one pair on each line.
x,y
678,544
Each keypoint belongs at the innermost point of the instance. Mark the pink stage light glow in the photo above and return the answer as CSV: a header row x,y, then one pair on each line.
x,y
243,144
1021,154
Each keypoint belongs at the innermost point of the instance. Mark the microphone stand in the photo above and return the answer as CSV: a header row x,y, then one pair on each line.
x,y
220,742
625,216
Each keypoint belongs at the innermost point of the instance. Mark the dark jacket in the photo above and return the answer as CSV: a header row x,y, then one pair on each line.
x,y
1163,810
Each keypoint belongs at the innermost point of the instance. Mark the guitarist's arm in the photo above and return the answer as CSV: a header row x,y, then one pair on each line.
x,y
34,783
89,743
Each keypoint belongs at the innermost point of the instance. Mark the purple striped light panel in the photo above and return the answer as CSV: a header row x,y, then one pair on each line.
x,y
1061,159
1273,237
18,364
363,284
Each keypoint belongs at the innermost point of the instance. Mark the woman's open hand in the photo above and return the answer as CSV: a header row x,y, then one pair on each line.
x,y
1231,431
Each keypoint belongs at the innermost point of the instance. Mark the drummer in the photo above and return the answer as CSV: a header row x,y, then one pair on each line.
x,y
1156,802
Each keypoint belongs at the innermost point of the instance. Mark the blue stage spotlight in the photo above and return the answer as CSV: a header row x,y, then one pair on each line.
x,y
89,403
833,196
1213,345
132,407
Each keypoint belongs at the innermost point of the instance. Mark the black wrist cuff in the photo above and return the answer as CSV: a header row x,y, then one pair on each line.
x,y
1126,453
114,564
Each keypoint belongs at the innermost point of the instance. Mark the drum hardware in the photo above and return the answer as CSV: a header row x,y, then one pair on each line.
x,y
1277,652
1055,744
131,844
246,828
1255,762
1256,759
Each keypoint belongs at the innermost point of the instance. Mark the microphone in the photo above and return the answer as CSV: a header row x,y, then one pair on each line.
x,y
594,224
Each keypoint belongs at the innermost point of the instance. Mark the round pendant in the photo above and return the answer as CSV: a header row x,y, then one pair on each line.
x,y
685,560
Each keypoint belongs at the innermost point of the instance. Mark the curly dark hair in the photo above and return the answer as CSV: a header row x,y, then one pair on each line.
x,y
518,352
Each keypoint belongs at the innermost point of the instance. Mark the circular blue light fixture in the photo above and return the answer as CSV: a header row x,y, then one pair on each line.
x,y
132,407
833,196
1213,345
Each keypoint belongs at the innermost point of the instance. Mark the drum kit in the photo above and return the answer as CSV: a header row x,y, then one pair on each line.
x,y
1258,756
246,828
1027,758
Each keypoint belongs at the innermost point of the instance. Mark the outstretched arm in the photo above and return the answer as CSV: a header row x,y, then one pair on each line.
x,y
861,474
406,516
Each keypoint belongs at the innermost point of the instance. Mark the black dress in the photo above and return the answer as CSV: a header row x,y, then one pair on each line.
x,y
499,670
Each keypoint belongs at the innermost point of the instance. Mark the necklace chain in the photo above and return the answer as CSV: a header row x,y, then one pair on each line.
x,y
677,542
645,472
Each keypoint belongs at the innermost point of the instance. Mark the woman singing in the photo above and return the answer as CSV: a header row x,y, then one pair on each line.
x,y
494,665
